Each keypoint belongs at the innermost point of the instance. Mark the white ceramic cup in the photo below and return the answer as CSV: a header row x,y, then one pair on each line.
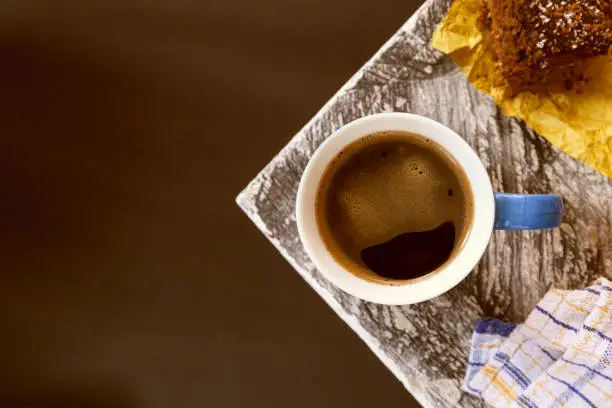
x,y
399,292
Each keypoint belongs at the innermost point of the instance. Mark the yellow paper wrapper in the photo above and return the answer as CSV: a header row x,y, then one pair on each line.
x,y
577,122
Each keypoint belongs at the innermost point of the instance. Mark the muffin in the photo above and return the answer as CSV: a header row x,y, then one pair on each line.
x,y
544,43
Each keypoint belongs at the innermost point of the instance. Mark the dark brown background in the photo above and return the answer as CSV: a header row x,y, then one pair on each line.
x,y
129,278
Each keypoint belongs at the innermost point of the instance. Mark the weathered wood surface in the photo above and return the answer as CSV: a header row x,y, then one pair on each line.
x,y
426,345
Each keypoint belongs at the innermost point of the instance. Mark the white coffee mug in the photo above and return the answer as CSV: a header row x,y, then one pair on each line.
x,y
514,212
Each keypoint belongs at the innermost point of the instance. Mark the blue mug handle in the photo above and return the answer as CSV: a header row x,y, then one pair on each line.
x,y
527,211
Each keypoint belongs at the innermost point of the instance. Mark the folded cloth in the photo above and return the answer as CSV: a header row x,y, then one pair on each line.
x,y
560,357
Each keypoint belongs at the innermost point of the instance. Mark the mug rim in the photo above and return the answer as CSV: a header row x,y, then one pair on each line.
x,y
411,291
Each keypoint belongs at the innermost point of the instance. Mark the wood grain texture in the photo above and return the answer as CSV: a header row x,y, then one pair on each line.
x,y
426,345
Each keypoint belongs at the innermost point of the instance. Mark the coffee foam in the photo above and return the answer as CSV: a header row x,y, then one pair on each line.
x,y
387,184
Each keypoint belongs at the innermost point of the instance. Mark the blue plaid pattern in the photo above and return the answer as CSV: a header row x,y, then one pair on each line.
x,y
560,357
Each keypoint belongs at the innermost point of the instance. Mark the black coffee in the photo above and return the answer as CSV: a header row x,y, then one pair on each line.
x,y
393,205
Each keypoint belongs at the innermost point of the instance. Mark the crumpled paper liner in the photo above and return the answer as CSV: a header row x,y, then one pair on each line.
x,y
578,122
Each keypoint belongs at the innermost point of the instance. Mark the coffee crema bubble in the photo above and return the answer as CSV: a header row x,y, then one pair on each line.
x,y
393,206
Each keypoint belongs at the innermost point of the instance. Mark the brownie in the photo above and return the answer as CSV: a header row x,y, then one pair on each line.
x,y
543,43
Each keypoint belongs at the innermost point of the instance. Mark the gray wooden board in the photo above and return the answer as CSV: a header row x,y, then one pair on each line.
x,y
426,345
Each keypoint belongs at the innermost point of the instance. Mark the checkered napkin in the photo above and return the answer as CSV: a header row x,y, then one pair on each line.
x,y
560,357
